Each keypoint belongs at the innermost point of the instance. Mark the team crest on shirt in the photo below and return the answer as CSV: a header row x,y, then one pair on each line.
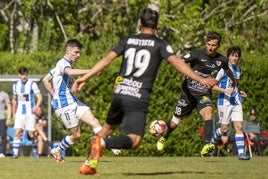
x,y
218,62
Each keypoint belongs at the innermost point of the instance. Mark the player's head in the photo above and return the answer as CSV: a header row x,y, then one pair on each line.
x,y
213,41
234,50
38,111
23,73
233,54
149,18
253,113
73,43
72,49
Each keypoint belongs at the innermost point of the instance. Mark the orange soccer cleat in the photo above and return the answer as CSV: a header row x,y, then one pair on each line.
x,y
84,169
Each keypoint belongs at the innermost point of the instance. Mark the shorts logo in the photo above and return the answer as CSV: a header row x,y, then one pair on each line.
x,y
205,99
181,102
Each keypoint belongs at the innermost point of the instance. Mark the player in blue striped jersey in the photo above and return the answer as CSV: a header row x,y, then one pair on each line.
x,y
24,105
229,103
67,107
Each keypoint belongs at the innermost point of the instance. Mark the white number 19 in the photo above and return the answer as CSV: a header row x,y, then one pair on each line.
x,y
137,60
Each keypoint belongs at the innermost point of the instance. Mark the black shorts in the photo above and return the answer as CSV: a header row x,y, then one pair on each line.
x,y
129,112
187,102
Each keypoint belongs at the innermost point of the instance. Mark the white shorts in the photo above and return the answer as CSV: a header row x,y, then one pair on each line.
x,y
25,122
70,115
229,113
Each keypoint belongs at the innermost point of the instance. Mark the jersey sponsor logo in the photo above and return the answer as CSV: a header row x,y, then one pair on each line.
x,y
128,87
141,42
203,60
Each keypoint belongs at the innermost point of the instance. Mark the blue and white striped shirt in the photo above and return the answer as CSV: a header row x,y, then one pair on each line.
x,y
226,83
25,94
62,84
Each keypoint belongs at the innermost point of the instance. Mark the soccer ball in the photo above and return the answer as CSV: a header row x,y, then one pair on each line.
x,y
158,128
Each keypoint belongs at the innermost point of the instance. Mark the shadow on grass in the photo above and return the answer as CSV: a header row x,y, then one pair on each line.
x,y
161,173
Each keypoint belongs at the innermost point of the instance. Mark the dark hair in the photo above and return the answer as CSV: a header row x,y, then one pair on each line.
x,y
253,111
212,36
73,43
149,18
23,70
233,50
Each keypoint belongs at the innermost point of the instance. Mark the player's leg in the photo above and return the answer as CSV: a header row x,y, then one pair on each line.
x,y
183,107
30,127
19,124
224,115
71,122
237,118
3,137
205,108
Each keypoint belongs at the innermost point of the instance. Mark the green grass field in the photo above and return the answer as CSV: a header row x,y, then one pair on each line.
x,y
136,167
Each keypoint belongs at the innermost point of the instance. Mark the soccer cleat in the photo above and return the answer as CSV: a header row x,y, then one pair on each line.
x,y
116,152
57,155
161,143
14,157
208,148
2,155
95,153
35,155
243,156
84,169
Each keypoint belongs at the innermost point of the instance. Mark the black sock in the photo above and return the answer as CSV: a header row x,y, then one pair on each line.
x,y
208,129
118,142
169,130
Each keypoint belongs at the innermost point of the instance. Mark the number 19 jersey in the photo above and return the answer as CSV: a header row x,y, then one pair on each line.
x,y
142,56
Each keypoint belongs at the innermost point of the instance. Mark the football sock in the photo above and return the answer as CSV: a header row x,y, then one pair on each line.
x,y
97,129
16,146
240,143
208,130
216,136
169,130
65,143
119,142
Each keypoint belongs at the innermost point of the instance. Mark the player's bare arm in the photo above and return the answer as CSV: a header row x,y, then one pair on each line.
x,y
98,67
76,72
223,90
48,85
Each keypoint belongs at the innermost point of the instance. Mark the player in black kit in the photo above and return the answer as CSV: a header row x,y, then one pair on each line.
x,y
205,62
142,55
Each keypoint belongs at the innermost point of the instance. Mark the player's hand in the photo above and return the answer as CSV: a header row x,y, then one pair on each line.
x,y
209,82
243,94
229,91
77,85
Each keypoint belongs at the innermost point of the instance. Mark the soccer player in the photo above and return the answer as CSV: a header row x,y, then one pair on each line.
x,y
24,106
142,55
67,107
194,95
229,104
